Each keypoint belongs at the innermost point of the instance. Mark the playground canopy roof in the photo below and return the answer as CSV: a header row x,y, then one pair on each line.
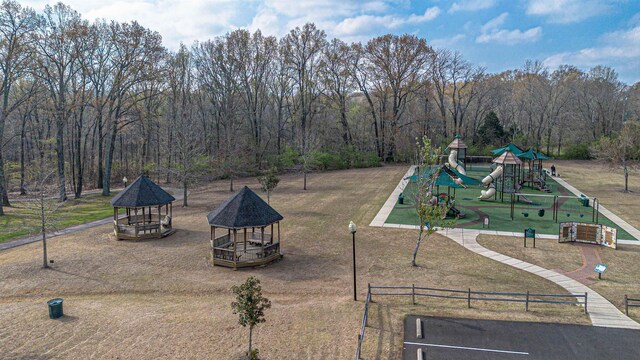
x,y
245,209
532,155
509,147
457,143
445,180
507,158
140,193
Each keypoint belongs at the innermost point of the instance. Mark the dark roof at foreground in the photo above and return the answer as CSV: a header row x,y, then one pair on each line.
x,y
142,192
244,209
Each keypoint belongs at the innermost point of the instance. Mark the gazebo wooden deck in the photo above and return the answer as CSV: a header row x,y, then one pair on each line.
x,y
148,211
249,237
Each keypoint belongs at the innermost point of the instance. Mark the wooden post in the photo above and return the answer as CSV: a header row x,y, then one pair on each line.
x,y
626,305
144,231
262,239
245,240
235,258
213,245
278,232
271,237
369,291
526,303
585,303
469,299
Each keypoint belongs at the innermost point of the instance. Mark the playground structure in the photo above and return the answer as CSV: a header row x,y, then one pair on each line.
x,y
513,175
520,205
505,178
534,174
489,181
457,155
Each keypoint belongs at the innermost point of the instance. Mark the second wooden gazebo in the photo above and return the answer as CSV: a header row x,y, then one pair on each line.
x,y
148,211
249,237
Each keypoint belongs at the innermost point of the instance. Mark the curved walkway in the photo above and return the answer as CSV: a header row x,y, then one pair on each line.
x,y
34,238
601,311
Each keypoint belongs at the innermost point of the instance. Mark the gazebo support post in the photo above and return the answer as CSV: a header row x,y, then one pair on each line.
x,y
235,256
245,240
213,241
262,239
278,232
135,224
271,237
115,221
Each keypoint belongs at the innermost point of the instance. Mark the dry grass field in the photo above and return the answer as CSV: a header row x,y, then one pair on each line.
x,y
163,299
607,184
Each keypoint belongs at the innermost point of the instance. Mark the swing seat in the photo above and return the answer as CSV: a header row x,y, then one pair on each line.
x,y
526,214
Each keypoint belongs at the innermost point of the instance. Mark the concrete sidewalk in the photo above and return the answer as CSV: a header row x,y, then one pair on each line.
x,y
601,311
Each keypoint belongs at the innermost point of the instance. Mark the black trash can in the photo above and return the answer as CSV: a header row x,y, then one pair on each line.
x,y
585,201
401,199
55,308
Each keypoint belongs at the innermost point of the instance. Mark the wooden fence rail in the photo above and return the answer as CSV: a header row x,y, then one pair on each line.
x,y
629,302
469,295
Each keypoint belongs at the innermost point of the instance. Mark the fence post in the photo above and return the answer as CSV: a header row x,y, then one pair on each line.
x,y
413,294
369,291
626,305
469,299
585,303
526,303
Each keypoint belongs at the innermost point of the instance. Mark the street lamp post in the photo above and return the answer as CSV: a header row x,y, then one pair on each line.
x,y
352,229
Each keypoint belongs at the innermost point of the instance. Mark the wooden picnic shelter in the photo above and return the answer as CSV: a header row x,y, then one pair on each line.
x,y
148,211
242,231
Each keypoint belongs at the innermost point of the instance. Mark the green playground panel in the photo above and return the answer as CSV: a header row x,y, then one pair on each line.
x,y
500,212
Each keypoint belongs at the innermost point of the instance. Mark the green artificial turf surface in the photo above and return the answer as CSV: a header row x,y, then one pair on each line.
x,y
499,213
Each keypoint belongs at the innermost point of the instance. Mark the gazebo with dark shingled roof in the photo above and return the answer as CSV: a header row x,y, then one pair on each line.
x,y
144,201
242,246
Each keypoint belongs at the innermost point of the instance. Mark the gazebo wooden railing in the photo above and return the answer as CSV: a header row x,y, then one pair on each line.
x,y
246,249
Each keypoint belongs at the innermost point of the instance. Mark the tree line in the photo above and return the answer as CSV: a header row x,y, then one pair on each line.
x,y
102,100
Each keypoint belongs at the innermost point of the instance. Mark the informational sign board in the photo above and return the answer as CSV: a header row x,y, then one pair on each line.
x,y
600,268
530,233
588,233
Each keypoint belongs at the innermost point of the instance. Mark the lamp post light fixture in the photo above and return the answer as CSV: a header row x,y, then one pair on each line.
x,y
352,229
124,180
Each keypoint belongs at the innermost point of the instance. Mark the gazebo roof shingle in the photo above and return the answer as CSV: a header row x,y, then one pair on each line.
x,y
244,209
142,192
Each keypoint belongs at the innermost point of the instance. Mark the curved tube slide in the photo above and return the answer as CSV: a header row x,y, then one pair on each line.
x,y
491,177
488,180
487,194
453,162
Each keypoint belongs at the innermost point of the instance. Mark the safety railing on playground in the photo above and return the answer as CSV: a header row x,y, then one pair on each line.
x,y
629,302
468,295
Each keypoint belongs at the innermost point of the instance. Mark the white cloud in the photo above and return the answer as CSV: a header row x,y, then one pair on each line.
x,y
369,23
620,49
472,5
429,14
568,11
511,37
176,21
447,42
491,32
495,23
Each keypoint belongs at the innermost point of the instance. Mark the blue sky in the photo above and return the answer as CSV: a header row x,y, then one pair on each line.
x,y
497,34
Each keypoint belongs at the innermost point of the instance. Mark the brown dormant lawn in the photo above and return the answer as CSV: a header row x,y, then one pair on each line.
x,y
162,298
